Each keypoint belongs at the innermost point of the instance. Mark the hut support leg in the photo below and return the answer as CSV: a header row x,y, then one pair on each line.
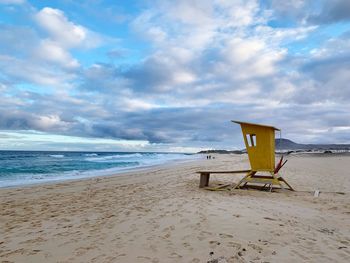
x,y
283,180
251,173
204,180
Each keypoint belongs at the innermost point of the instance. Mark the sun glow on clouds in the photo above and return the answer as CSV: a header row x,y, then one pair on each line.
x,y
170,68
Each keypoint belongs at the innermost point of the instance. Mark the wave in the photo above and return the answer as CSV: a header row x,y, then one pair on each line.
x,y
79,165
57,155
31,179
90,154
114,157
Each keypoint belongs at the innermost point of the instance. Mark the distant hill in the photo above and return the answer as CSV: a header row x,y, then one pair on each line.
x,y
288,145
285,144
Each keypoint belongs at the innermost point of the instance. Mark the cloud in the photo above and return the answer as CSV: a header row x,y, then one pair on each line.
x,y
24,57
27,56
117,53
22,71
52,52
332,12
329,68
59,28
18,120
287,12
195,66
222,70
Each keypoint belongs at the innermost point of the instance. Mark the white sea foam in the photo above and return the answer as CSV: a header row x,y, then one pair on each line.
x,y
57,155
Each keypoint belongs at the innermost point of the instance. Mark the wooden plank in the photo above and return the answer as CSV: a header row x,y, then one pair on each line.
x,y
262,176
224,172
223,186
262,181
215,189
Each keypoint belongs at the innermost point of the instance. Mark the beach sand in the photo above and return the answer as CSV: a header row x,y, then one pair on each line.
x,y
160,215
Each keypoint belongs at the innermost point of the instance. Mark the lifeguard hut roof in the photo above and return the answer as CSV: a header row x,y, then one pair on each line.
x,y
261,125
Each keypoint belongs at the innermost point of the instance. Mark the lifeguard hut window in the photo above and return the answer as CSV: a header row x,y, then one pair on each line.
x,y
251,140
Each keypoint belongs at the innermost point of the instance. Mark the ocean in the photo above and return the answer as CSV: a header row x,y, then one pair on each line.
x,y
31,167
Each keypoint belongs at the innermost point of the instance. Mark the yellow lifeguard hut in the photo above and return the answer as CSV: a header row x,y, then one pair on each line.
x,y
260,144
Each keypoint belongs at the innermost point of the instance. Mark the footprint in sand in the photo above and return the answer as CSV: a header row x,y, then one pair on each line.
x,y
144,257
235,245
167,235
222,235
187,245
300,255
214,243
175,255
255,247
153,248
185,220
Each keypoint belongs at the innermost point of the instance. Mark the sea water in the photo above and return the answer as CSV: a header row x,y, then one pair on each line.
x,y
30,167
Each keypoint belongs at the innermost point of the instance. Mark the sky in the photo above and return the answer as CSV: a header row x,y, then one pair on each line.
x,y
171,75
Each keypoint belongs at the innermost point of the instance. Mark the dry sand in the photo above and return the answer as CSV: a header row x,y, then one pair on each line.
x,y
160,215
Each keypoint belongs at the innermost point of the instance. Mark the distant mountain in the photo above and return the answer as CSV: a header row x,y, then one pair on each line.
x,y
288,145
285,144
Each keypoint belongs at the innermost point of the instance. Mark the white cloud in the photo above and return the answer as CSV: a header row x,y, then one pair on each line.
x,y
66,33
33,72
183,77
247,58
136,104
242,50
206,40
46,61
60,29
50,51
50,122
277,36
333,47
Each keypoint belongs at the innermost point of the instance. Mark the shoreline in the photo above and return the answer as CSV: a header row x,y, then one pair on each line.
x,y
96,174
127,170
